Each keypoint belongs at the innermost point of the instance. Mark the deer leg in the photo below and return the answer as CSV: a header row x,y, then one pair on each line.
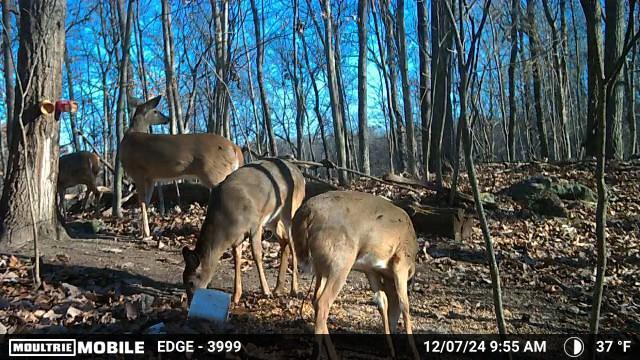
x,y
87,194
283,230
237,285
400,279
294,259
143,190
394,305
380,298
256,249
333,284
285,250
61,202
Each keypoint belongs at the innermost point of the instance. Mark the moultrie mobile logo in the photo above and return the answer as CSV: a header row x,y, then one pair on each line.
x,y
42,347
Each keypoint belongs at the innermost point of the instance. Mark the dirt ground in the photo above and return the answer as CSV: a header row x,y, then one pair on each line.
x,y
118,283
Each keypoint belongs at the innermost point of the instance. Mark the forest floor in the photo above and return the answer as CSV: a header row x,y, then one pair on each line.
x,y
117,283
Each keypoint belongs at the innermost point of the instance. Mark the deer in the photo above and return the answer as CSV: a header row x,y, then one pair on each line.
x,y
261,195
340,231
77,168
151,157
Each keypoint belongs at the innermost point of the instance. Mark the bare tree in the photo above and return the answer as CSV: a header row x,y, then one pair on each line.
x,y
406,89
466,70
8,68
75,137
536,64
266,112
363,126
173,96
513,56
602,80
440,84
425,87
613,43
33,154
123,71
338,121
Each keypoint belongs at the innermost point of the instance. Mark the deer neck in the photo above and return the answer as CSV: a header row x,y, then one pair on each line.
x,y
139,126
210,247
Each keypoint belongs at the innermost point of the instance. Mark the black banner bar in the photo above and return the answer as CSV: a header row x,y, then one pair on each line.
x,y
302,346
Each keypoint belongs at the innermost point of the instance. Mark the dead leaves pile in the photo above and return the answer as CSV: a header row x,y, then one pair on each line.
x,y
58,306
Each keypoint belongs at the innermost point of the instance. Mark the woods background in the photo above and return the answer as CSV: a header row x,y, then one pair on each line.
x,y
257,72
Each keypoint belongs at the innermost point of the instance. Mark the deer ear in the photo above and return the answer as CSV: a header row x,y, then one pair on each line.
x,y
191,259
134,102
153,103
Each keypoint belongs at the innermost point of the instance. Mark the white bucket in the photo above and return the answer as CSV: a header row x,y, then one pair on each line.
x,y
210,304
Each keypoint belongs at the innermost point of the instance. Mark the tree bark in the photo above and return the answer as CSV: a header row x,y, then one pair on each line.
x,y
72,116
120,110
534,43
630,92
513,56
8,67
597,98
560,84
266,113
441,76
300,104
613,43
363,126
39,67
406,89
425,86
400,133
173,96
338,121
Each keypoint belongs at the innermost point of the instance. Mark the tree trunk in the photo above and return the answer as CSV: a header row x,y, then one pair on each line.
x,y
39,64
513,56
400,135
316,92
560,84
614,37
464,71
425,86
630,89
534,43
363,126
75,137
266,113
597,103
120,110
300,104
173,97
406,89
8,67
338,121
441,76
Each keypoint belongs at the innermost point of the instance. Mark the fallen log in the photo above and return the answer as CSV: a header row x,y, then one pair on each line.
x,y
453,223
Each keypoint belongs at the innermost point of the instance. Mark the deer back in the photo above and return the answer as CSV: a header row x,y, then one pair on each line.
x,y
337,225
80,167
209,157
256,195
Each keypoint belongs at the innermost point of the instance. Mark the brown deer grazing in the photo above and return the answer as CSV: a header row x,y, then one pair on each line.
x,y
150,157
263,194
77,168
340,231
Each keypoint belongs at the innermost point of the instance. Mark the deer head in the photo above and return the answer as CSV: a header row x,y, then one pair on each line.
x,y
145,114
192,276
